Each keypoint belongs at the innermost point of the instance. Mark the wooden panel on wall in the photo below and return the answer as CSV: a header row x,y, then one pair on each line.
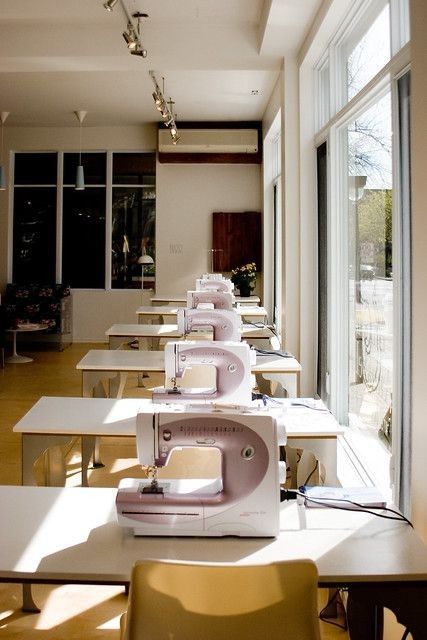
x,y
236,239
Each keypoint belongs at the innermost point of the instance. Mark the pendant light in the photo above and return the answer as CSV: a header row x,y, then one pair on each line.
x,y
80,178
3,183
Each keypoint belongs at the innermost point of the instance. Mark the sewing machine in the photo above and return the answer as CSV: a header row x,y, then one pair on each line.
x,y
244,501
206,283
232,362
225,323
211,298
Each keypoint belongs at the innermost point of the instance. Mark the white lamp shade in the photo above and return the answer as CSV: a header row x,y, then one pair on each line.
x,y
3,183
80,178
145,259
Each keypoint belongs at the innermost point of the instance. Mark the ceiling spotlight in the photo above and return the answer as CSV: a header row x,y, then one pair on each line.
x,y
139,51
132,33
130,37
165,108
157,99
109,5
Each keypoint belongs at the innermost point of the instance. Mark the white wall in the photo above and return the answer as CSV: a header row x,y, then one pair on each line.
x,y
186,197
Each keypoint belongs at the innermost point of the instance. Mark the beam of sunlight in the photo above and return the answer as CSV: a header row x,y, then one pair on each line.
x,y
69,601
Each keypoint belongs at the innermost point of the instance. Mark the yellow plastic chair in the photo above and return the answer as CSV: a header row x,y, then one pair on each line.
x,y
176,601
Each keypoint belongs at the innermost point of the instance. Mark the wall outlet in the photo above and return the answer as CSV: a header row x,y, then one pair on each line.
x,y
175,248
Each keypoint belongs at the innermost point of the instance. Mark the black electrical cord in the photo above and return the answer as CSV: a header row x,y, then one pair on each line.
x,y
271,352
291,494
405,634
294,403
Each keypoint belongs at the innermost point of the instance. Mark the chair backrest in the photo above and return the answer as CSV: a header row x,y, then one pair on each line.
x,y
217,602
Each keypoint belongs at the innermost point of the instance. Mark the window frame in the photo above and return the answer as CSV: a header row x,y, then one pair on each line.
x,y
333,132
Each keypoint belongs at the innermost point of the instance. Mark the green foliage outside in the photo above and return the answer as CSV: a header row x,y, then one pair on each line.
x,y
374,214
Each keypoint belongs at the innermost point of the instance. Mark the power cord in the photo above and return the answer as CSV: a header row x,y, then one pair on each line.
x,y
271,352
294,403
292,494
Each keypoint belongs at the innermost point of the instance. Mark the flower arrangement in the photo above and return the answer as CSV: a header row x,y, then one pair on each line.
x,y
244,277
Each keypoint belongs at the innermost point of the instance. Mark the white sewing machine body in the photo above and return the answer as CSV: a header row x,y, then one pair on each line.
x,y
244,502
225,323
205,283
216,299
232,362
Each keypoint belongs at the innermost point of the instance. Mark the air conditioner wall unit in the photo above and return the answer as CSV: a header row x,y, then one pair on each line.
x,y
210,141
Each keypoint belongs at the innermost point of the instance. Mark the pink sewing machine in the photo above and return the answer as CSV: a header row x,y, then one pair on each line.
x,y
208,283
225,323
232,363
211,298
244,501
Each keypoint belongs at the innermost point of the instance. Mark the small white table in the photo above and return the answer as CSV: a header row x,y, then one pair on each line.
x,y
119,334
253,313
25,327
57,420
71,536
182,300
99,365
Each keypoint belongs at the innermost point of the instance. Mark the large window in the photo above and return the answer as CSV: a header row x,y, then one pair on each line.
x,y
83,222
133,220
370,271
360,354
64,234
34,221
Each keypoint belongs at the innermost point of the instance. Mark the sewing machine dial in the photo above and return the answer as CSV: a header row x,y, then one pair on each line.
x,y
248,452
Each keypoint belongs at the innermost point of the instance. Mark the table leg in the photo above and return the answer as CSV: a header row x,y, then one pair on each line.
x,y
28,603
116,342
365,608
33,446
90,446
289,381
15,358
117,384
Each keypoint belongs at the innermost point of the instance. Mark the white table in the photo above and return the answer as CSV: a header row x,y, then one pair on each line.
x,y
250,312
119,334
182,300
71,536
57,420
25,327
102,367
99,365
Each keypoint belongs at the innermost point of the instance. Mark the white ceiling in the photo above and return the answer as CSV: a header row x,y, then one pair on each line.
x,y
59,56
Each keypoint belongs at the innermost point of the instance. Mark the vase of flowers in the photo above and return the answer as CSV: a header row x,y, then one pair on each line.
x,y
244,278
